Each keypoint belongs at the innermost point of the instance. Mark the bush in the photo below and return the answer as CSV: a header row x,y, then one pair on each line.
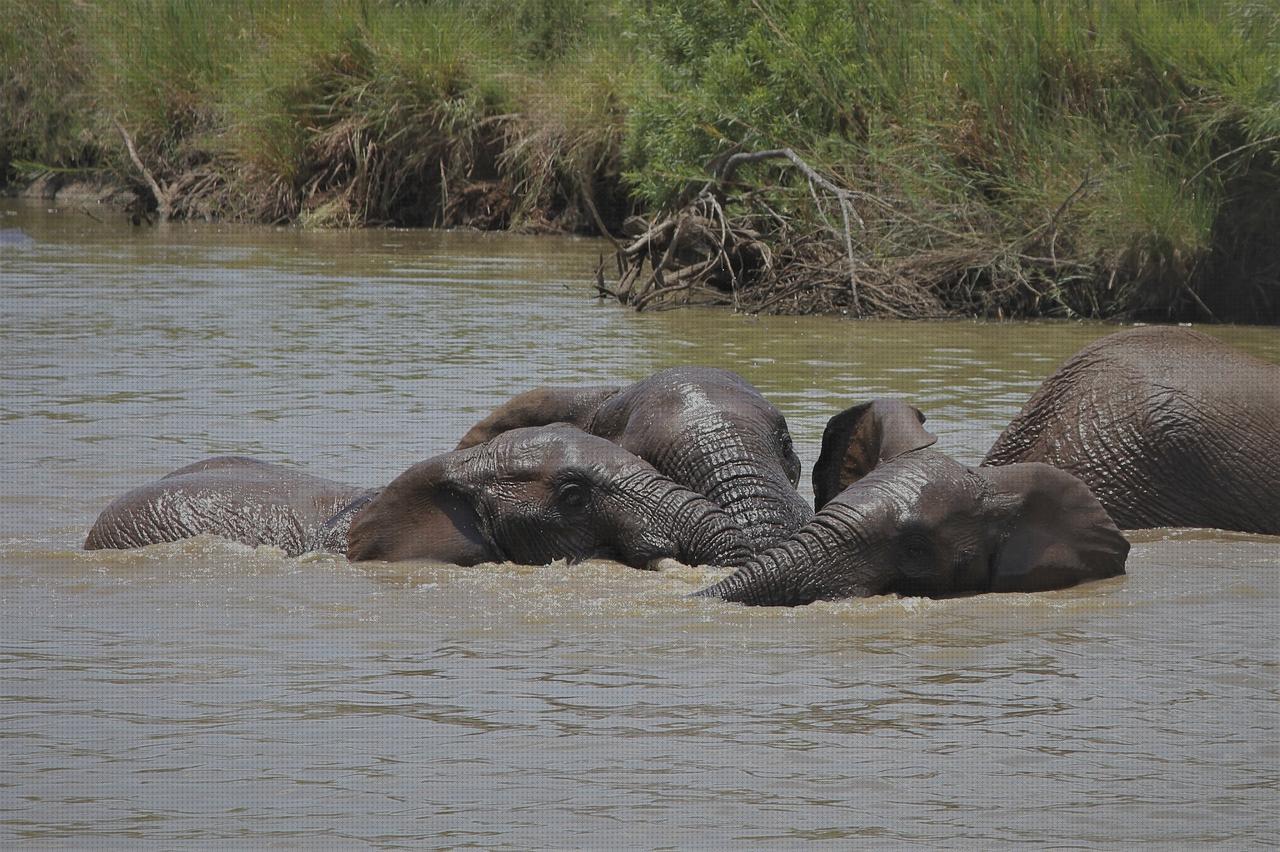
x,y
1096,154
1004,156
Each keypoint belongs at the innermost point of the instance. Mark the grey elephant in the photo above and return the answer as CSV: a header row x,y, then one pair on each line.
x,y
530,495
896,516
705,428
1167,426
234,497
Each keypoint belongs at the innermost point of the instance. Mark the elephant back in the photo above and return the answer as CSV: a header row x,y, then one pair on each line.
x,y
1168,427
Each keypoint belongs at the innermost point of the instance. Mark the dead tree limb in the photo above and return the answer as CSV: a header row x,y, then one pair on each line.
x,y
843,196
163,208
1062,208
589,200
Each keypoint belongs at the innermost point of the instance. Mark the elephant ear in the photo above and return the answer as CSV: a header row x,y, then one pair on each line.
x,y
331,537
1053,532
859,438
540,407
421,515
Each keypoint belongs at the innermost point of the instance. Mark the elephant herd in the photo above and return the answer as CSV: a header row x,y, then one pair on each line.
x,y
1144,428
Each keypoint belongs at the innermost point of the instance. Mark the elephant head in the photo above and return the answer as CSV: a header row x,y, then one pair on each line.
x,y
707,429
914,521
860,438
534,495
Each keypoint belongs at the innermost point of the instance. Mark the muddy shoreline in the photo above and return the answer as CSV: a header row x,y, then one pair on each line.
x,y
698,256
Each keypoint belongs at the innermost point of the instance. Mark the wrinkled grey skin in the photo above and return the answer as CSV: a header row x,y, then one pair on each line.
x,y
535,495
705,428
237,498
1167,426
530,496
900,517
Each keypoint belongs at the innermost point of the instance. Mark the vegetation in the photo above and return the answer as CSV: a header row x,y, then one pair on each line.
x,y
346,112
995,157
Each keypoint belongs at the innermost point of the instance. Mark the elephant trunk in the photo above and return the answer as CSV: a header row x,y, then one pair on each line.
x,y
806,567
767,511
742,480
665,519
742,472
711,535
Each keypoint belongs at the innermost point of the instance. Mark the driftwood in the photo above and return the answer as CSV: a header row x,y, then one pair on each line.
x,y
693,256
700,252
843,196
164,208
883,257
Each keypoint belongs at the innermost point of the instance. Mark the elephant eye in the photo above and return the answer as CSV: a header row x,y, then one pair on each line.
x,y
915,546
573,495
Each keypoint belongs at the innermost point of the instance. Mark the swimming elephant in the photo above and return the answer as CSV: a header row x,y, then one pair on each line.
x,y
1167,426
707,429
234,497
896,516
529,496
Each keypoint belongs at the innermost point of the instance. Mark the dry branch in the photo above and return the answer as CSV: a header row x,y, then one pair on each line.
x,y
715,253
885,257
163,206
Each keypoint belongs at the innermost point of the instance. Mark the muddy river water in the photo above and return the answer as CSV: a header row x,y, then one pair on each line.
x,y
213,695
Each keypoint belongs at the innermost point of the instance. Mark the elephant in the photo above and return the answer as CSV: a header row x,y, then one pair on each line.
x,y
896,516
530,495
1167,426
707,429
237,498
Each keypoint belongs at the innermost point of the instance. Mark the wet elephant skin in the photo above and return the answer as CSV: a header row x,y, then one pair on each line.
x,y
1167,426
707,429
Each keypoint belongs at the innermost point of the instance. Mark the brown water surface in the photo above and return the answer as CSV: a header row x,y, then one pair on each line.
x,y
215,694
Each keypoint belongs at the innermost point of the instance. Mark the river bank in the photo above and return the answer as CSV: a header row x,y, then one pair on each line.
x,y
990,159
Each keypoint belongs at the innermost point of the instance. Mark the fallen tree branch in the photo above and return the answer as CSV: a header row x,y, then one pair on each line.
x,y
909,259
843,196
163,208
589,200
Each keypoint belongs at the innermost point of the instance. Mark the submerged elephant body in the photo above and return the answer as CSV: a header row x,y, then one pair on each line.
x,y
1167,426
529,495
233,497
707,429
893,515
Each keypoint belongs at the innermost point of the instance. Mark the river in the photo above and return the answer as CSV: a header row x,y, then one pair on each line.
x,y
213,695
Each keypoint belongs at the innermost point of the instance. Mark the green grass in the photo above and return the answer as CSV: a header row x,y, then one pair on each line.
x,y
1126,133
1081,157
330,112
357,118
